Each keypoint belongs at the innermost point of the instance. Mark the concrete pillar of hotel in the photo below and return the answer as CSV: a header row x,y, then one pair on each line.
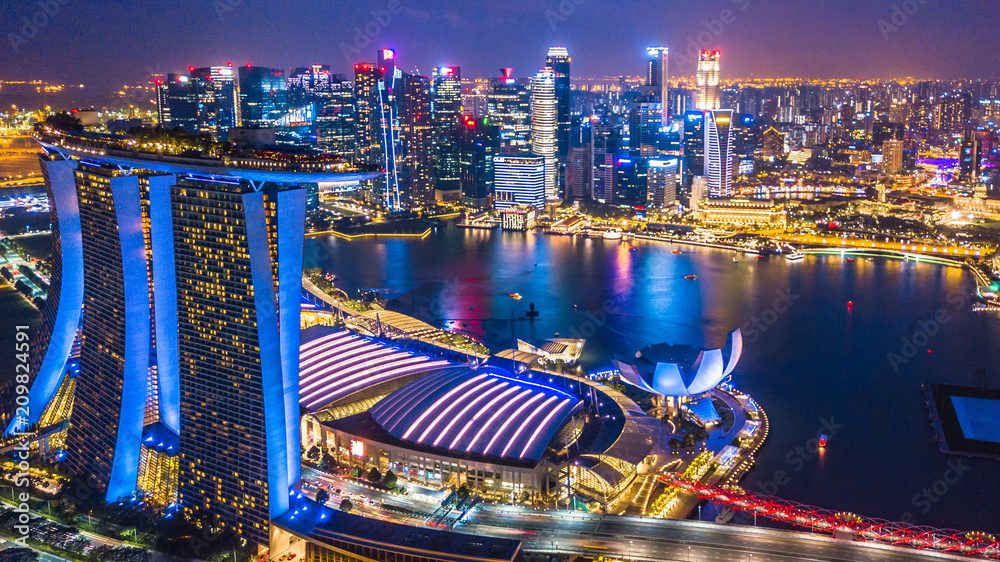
x,y
55,335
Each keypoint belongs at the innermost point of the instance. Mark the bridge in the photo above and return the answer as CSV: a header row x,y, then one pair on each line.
x,y
973,544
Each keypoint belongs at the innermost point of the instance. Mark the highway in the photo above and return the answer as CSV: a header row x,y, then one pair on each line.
x,y
630,538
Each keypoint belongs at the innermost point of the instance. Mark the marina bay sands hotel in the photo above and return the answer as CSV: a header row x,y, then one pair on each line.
x,y
172,330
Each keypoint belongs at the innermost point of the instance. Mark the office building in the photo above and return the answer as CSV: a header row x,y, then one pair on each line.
x,y
892,156
708,79
519,180
263,95
217,93
366,121
177,103
661,183
479,142
416,131
332,98
631,174
694,145
508,106
657,59
579,172
544,128
446,112
719,152
558,60
335,119
389,86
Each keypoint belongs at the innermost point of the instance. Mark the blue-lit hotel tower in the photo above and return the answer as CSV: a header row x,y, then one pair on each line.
x,y
183,285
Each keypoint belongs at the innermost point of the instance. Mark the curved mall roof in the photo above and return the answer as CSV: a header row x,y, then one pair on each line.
x,y
680,370
486,412
335,363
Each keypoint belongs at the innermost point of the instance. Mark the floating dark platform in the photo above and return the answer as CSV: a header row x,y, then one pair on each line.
x,y
967,419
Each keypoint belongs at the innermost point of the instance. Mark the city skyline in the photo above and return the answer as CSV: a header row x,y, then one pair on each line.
x,y
889,39
500,281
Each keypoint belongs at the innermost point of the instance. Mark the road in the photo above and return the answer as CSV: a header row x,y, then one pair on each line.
x,y
631,538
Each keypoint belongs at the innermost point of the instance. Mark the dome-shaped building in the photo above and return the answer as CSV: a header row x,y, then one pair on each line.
x,y
679,372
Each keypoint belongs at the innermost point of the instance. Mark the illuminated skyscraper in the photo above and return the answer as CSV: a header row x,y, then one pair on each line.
x,y
263,95
479,142
389,88
118,330
694,145
238,256
188,384
416,133
661,183
892,156
217,92
177,103
709,92
508,105
558,60
520,180
719,152
656,79
446,112
544,128
366,124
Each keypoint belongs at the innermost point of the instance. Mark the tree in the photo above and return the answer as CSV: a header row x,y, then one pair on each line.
x,y
346,505
389,479
18,555
64,122
688,441
322,497
313,453
374,476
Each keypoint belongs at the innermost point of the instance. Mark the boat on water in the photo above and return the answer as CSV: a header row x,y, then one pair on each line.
x,y
691,276
515,296
676,251
736,259
794,256
612,235
633,248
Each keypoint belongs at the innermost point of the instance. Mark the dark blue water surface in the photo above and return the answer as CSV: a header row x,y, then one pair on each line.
x,y
816,364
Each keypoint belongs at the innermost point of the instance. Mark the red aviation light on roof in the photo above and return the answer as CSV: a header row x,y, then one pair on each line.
x,y
229,63
716,53
190,68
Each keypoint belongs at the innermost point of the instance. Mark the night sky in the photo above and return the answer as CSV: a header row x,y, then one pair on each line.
x,y
104,43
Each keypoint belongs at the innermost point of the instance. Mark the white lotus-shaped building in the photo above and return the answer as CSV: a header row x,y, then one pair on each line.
x,y
678,370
